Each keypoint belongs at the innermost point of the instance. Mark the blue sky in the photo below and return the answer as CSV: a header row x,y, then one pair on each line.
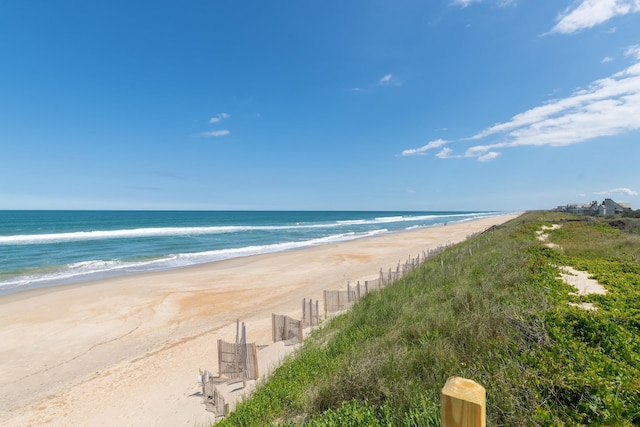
x,y
332,105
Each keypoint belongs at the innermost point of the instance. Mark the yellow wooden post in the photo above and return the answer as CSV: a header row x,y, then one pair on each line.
x,y
463,404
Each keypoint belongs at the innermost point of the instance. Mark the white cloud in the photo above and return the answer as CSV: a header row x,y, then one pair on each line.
x,y
633,51
607,107
385,80
499,3
626,191
445,153
222,132
606,59
423,150
488,157
389,80
219,117
590,13
465,3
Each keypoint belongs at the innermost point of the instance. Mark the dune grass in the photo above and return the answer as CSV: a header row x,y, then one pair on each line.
x,y
491,309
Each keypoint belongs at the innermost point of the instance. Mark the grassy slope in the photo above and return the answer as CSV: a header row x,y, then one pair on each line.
x,y
490,309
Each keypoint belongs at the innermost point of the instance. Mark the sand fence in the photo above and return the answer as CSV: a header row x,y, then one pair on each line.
x,y
287,329
310,314
213,399
238,362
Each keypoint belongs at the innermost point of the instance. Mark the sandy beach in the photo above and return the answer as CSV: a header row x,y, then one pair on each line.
x,y
126,351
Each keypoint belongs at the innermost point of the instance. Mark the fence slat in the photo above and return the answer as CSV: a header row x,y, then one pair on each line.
x,y
211,397
237,360
286,329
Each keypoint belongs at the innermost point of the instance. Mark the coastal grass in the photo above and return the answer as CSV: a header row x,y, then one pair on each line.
x,y
491,309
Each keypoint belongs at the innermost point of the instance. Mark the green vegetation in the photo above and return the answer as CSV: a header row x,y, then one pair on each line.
x,y
632,214
491,309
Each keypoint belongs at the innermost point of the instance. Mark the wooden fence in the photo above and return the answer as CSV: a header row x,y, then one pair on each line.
x,y
374,284
212,398
339,300
238,360
286,329
358,290
310,315
335,301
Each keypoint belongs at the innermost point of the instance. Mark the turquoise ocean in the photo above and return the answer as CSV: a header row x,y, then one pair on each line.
x,y
48,248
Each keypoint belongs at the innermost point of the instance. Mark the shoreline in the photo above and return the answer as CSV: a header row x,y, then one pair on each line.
x,y
133,270
32,291
66,348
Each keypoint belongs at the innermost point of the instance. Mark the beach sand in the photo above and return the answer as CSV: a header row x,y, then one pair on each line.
x,y
126,351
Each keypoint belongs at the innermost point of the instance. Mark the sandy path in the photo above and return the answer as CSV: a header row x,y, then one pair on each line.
x,y
126,351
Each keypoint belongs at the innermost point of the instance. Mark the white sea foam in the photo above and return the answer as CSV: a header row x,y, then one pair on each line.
x,y
25,239
120,234
92,269
28,239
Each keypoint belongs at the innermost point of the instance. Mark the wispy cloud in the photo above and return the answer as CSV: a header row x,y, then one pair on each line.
x,y
590,13
385,80
499,3
626,191
218,132
607,107
465,3
606,59
222,132
633,51
488,157
423,150
219,117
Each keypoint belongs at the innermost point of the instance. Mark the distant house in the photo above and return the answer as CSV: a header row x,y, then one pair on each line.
x,y
613,208
607,207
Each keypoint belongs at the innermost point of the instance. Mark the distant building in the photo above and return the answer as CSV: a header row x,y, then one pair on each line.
x,y
607,207
613,208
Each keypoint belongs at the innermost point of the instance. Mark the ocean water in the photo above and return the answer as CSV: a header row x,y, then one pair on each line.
x,y
48,248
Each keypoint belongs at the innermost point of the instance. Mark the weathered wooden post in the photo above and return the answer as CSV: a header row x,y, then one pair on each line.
x,y
304,312
325,303
236,348
273,327
285,328
463,404
255,361
243,355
